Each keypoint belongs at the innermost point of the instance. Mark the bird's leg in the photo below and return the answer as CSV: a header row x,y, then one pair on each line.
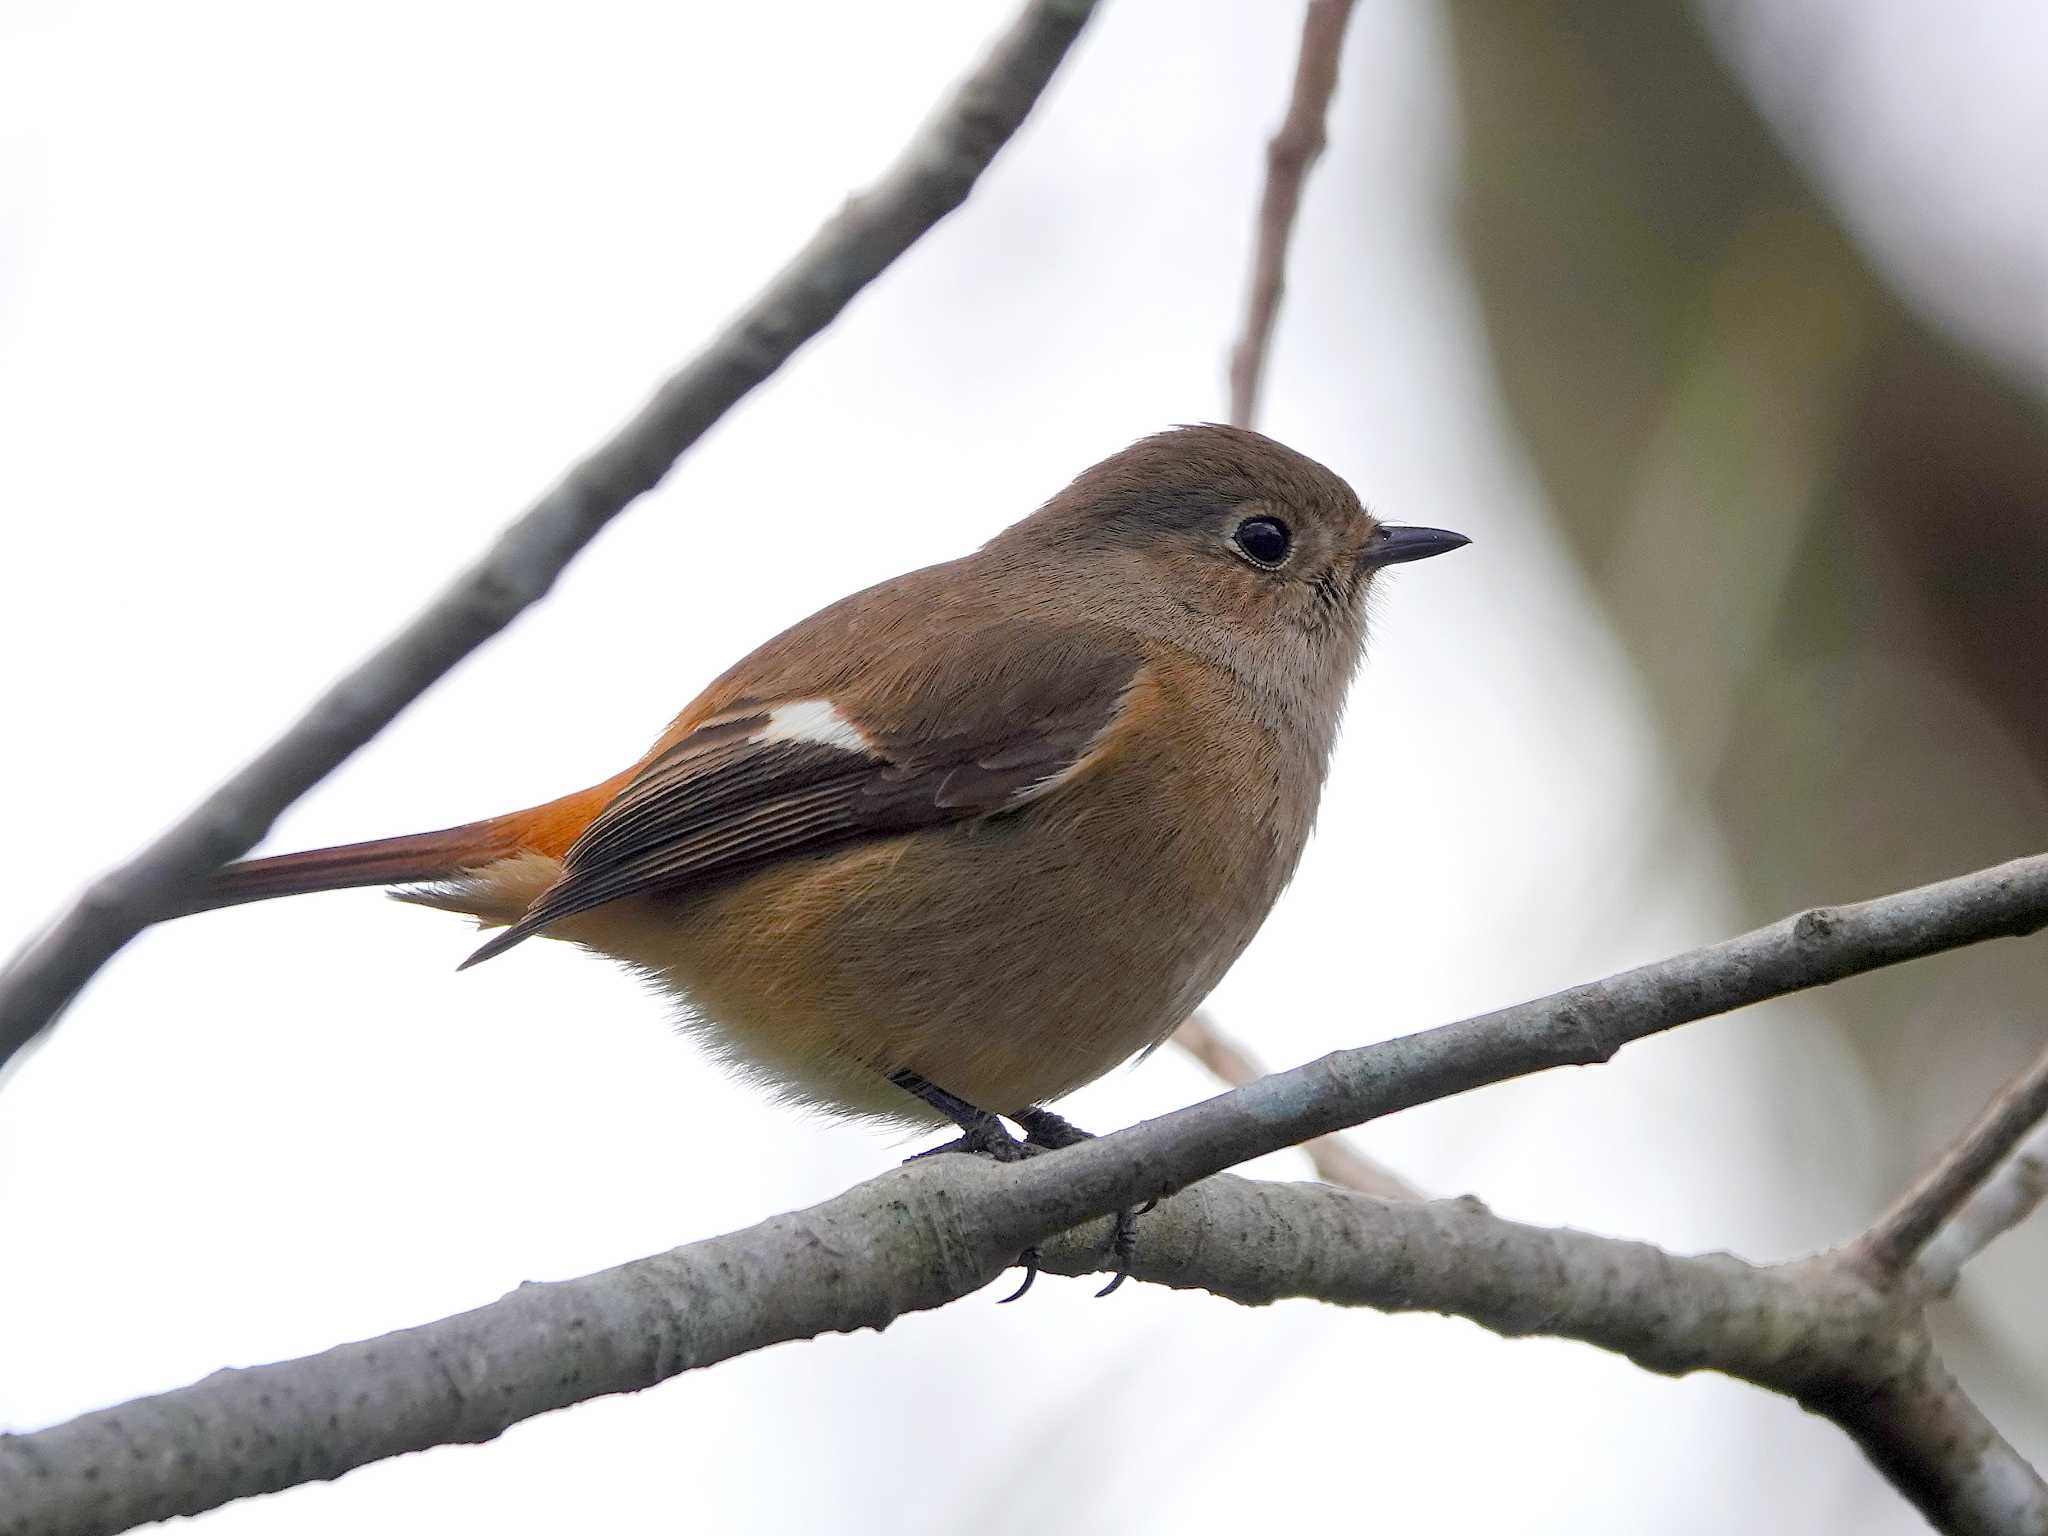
x,y
1044,1131
984,1132
1043,1128
980,1132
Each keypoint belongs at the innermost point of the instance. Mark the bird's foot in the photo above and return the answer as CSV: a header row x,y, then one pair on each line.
x,y
1043,1128
991,1138
987,1136
1044,1131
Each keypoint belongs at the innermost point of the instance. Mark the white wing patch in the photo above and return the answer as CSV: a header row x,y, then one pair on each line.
x,y
815,721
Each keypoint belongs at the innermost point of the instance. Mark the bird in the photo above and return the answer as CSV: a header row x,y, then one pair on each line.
x,y
960,843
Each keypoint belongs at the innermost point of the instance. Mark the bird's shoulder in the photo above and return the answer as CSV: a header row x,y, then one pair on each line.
x,y
946,657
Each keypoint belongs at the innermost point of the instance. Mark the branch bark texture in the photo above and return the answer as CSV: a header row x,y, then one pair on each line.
x,y
930,179
1825,1331
1335,1160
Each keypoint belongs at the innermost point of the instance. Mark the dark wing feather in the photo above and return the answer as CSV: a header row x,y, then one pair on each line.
x,y
729,797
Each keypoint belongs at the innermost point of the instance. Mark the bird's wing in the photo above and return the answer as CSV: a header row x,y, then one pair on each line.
x,y
770,778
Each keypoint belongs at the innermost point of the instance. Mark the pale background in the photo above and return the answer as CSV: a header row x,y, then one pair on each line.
x,y
298,306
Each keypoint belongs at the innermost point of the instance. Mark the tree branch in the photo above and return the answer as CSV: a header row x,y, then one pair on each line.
x,y
2008,1198
930,178
1819,1331
1898,1236
1579,1026
1335,1160
1255,1243
923,1235
1841,1334
1293,150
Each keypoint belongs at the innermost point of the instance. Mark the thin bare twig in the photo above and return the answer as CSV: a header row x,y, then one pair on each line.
x,y
1335,1160
1293,150
2006,1199
1289,155
921,1236
930,179
1897,1237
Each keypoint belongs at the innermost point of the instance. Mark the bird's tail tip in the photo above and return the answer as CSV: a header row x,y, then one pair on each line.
x,y
492,947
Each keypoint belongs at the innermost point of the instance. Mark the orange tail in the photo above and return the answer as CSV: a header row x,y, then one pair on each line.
x,y
424,858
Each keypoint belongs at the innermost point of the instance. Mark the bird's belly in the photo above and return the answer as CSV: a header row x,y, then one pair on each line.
x,y
1035,966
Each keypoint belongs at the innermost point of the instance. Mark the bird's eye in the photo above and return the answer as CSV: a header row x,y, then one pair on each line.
x,y
1263,540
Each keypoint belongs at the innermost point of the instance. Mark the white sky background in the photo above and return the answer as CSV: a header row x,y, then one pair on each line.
x,y
298,307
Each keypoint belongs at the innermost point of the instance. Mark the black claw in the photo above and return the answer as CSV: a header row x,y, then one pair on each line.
x,y
1044,1129
1123,1247
1029,1259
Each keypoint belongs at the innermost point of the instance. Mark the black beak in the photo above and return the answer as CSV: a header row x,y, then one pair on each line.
x,y
1392,544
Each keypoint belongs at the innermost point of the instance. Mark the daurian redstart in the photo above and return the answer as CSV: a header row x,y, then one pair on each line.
x,y
964,841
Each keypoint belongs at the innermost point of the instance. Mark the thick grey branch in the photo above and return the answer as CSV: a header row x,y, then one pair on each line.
x,y
1336,1160
1579,1026
1255,1242
1938,1194
920,1236
915,1237
1918,1427
1820,1331
909,1240
929,180
1293,150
